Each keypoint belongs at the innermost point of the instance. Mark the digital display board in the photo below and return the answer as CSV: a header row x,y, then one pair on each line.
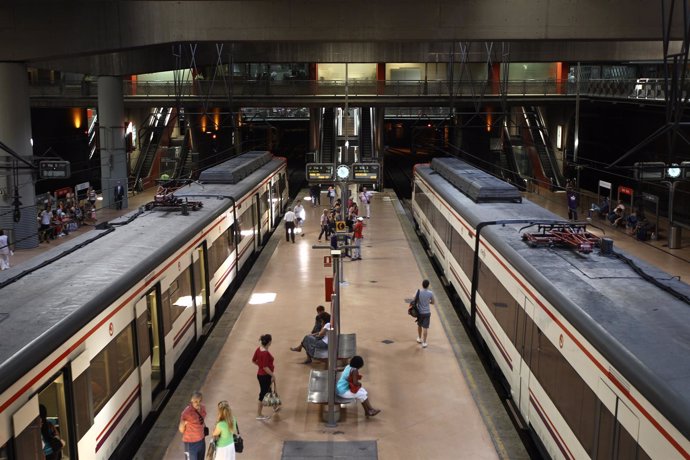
x,y
320,172
54,169
365,172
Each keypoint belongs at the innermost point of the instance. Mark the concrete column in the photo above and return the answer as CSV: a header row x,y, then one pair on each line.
x,y
314,130
379,131
15,132
111,118
238,132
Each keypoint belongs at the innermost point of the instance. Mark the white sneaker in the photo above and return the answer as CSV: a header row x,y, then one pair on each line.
x,y
263,417
423,344
419,340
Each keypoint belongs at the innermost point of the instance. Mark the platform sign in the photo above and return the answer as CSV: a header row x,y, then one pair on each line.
x,y
320,172
340,226
365,172
54,169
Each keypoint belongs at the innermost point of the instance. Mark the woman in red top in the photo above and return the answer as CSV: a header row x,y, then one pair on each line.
x,y
264,361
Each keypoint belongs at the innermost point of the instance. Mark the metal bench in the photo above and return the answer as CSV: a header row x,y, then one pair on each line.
x,y
317,391
347,348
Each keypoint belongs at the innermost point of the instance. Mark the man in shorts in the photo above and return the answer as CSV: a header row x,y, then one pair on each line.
x,y
426,298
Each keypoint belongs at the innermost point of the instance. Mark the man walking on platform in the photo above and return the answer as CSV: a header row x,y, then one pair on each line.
x,y
119,195
424,301
290,225
365,200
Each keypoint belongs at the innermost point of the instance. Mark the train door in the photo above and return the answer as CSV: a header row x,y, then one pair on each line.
x,y
51,403
256,217
276,201
200,273
151,306
617,427
26,425
53,400
524,344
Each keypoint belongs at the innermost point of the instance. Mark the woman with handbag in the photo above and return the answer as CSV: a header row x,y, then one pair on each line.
x,y
225,432
349,387
264,361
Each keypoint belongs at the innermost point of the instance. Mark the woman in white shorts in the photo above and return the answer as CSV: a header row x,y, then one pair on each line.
x,y
349,381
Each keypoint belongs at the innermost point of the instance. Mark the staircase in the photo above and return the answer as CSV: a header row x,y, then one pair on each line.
x,y
327,135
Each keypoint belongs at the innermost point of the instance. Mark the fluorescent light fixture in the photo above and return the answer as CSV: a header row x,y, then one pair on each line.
x,y
559,136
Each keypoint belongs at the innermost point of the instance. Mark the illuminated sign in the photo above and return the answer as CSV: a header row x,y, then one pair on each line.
x,y
365,172
320,172
53,169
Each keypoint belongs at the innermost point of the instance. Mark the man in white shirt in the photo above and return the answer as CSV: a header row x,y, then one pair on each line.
x,y
365,199
289,225
300,214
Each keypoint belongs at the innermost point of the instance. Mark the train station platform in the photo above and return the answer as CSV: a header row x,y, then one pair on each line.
x,y
436,402
654,252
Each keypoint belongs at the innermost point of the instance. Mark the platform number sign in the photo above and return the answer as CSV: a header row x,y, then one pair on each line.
x,y
340,226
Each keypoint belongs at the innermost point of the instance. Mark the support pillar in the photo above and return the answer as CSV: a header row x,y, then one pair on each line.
x,y
315,131
111,115
15,132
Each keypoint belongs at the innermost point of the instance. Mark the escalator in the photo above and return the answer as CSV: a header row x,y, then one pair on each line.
x,y
328,135
151,136
514,163
535,134
184,166
366,137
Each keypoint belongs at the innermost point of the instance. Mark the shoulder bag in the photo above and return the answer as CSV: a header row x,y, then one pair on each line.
x,y
354,387
413,311
201,419
239,442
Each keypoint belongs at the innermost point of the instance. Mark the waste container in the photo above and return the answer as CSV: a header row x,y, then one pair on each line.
x,y
674,237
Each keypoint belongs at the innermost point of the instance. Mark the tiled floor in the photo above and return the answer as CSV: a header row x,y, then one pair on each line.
x,y
427,409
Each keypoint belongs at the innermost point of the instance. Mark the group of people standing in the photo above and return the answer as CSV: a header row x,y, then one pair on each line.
x,y
194,430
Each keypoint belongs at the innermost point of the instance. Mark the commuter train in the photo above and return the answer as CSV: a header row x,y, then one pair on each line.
x,y
96,332
594,348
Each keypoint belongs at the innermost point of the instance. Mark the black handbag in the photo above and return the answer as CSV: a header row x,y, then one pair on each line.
x,y
239,442
413,311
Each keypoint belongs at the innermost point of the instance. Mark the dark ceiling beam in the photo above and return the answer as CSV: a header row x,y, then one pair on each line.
x,y
32,30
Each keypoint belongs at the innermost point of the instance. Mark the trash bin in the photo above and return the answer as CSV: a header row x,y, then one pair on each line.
x,y
674,237
606,246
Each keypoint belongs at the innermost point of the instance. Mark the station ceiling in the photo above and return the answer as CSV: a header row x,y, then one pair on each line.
x,y
108,37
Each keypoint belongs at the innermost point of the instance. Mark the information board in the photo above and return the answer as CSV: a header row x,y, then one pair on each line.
x,y
54,169
365,172
320,172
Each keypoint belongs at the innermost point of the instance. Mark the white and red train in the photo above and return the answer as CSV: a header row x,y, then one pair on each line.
x,y
594,349
97,332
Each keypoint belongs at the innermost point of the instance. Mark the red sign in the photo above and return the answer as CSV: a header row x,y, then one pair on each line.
x,y
625,190
327,261
329,288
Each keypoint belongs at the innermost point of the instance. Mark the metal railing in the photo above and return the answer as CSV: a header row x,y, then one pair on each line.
x,y
641,88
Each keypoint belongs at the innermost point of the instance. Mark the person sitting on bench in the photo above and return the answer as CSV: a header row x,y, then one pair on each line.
x,y
349,386
315,341
602,208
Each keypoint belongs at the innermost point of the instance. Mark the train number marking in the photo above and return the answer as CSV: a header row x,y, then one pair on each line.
x,y
560,341
111,329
